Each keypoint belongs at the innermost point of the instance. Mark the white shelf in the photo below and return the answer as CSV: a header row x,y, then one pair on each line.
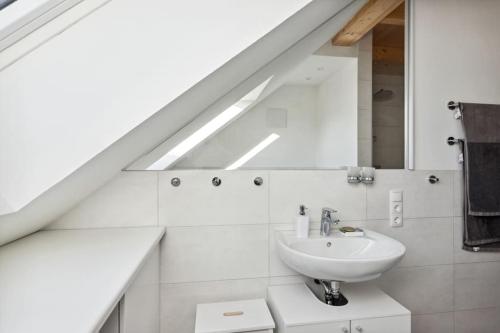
x,y
69,280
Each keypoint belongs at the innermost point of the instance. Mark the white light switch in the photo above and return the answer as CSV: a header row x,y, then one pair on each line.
x,y
396,208
396,195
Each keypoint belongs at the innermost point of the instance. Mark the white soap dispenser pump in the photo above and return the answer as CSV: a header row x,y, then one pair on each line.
x,y
302,225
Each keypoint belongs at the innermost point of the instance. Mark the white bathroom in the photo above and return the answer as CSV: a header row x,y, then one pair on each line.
x,y
284,166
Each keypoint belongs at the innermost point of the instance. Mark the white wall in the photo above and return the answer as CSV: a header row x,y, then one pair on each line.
x,y
363,52
337,139
68,100
220,246
295,148
320,129
456,58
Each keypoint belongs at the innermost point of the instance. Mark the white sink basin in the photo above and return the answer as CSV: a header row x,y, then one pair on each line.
x,y
340,258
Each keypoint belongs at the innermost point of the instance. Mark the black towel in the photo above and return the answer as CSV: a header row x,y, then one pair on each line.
x,y
481,124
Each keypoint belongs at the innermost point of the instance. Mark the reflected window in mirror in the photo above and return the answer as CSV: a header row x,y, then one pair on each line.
x,y
341,105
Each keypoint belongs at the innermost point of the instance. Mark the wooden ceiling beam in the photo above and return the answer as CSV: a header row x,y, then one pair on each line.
x,y
396,17
393,21
368,16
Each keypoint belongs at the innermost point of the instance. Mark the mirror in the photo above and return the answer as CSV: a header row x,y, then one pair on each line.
x,y
339,106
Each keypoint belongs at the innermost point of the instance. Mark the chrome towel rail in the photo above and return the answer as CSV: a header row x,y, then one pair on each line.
x,y
457,107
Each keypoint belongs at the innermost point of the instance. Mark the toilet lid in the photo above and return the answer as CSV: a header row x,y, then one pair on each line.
x,y
229,317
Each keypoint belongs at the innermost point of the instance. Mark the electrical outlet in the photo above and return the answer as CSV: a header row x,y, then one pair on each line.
x,y
396,208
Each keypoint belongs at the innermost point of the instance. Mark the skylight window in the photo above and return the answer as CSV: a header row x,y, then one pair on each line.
x,y
19,18
208,129
5,3
253,152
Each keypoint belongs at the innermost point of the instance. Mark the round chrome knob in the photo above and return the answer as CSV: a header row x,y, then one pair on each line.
x,y
176,181
258,181
433,179
359,329
345,330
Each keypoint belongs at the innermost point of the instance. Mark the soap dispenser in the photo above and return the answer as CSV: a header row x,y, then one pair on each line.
x,y
302,225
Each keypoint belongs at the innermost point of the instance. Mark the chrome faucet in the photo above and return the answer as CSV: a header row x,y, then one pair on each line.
x,y
327,221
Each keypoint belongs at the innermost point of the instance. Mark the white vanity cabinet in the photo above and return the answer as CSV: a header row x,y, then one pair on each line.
x,y
337,327
138,309
296,309
400,324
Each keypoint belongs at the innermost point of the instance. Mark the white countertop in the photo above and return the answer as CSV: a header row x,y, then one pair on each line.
x,y
69,280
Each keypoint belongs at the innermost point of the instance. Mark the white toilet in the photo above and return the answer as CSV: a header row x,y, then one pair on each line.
x,y
231,317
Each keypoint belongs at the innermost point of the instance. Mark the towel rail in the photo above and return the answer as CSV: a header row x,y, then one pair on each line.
x,y
457,107
453,105
451,141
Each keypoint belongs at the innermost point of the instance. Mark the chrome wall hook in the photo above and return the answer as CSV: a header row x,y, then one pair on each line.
x,y
216,181
451,141
176,181
453,105
258,181
433,179
457,107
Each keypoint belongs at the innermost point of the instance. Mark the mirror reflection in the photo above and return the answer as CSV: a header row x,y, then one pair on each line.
x,y
343,105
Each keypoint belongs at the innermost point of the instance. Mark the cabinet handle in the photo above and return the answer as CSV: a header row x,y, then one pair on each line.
x,y
359,328
345,330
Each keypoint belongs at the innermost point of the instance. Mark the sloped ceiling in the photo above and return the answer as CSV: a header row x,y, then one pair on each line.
x,y
84,105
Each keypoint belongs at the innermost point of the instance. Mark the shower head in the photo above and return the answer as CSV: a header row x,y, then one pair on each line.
x,y
383,95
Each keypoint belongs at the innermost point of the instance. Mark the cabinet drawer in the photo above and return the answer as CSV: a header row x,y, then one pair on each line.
x,y
399,324
337,327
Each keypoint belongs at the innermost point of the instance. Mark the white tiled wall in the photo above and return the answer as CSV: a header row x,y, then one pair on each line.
x,y
220,240
365,139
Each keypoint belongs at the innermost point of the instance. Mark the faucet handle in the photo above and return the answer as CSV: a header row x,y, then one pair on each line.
x,y
327,210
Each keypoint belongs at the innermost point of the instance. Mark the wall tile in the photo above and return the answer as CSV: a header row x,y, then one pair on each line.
x,y
130,199
428,241
365,72
421,199
388,116
364,94
221,235
315,189
178,301
432,323
215,253
462,256
283,280
197,202
392,80
422,290
364,125
365,43
276,266
458,193
476,285
477,321
365,152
